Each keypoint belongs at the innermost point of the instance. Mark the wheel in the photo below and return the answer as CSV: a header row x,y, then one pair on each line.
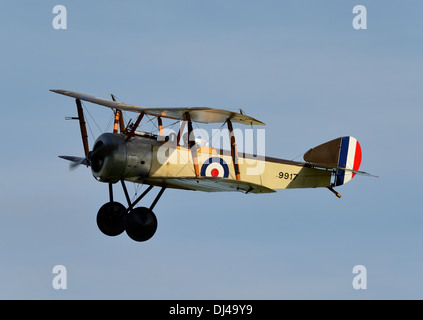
x,y
111,218
141,224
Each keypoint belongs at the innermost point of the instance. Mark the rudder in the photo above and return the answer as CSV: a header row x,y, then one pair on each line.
x,y
349,158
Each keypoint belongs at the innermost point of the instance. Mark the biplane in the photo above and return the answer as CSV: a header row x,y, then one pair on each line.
x,y
135,156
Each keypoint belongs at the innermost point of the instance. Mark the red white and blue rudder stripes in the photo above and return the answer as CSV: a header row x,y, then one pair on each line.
x,y
349,158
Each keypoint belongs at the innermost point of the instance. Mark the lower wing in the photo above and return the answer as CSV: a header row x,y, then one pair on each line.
x,y
207,184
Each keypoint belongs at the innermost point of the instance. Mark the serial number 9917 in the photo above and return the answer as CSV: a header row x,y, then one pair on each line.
x,y
288,176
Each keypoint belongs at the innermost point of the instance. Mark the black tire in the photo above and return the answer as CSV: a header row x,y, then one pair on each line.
x,y
141,224
111,218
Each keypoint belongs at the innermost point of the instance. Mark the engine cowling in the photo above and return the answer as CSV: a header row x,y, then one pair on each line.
x,y
113,158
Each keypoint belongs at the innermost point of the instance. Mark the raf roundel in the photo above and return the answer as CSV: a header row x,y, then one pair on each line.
x,y
215,167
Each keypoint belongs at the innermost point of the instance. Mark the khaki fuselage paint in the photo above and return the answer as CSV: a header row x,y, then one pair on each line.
x,y
270,172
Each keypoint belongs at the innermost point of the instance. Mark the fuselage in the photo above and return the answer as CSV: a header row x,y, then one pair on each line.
x,y
149,156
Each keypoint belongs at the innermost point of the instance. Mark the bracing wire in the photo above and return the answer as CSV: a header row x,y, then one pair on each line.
x,y
298,156
111,120
92,118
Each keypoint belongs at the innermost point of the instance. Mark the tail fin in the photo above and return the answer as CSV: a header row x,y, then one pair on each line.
x,y
342,154
349,158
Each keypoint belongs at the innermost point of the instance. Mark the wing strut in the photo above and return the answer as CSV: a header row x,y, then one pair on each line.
x,y
160,122
121,123
181,130
118,120
234,151
82,126
191,144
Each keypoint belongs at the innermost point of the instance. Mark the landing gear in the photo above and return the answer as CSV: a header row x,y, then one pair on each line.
x,y
111,218
140,223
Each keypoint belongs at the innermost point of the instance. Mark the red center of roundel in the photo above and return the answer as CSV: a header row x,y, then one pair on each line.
x,y
214,172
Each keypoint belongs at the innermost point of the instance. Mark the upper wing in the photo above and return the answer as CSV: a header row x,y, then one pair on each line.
x,y
207,184
197,114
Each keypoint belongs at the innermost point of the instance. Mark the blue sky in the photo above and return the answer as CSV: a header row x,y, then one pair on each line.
x,y
298,66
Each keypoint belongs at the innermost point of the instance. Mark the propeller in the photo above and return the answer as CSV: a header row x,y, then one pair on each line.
x,y
95,158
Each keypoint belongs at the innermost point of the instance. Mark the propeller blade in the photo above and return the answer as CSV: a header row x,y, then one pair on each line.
x,y
75,161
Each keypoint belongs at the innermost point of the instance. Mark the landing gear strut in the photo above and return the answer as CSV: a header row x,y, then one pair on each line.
x,y
139,223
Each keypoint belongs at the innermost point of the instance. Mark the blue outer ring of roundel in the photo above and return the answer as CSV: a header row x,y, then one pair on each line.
x,y
215,160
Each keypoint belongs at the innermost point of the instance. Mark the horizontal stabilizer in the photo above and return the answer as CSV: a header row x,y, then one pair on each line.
x,y
197,114
318,165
